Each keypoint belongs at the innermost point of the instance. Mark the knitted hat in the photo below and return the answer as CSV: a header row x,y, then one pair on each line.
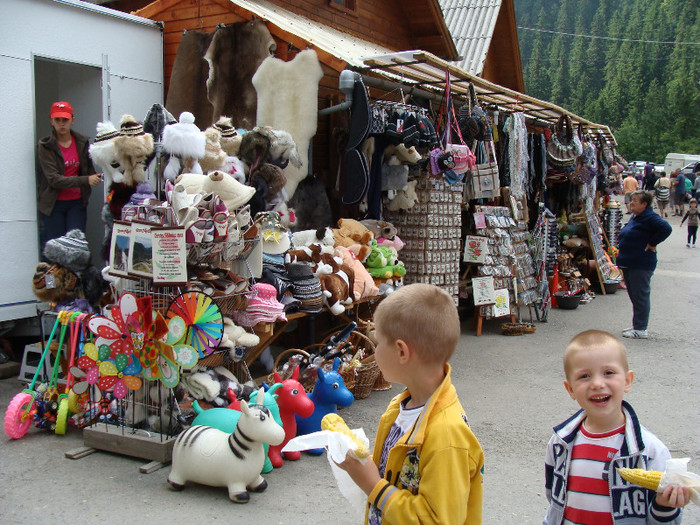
x,y
143,192
71,251
105,131
130,126
225,127
275,237
306,287
230,138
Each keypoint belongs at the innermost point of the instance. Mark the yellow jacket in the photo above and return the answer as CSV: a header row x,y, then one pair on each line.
x,y
434,474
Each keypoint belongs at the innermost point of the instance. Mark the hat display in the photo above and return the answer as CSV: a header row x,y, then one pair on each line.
x,y
275,237
61,110
263,306
306,287
70,251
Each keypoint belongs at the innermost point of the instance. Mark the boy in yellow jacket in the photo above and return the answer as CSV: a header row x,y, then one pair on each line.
x,y
427,464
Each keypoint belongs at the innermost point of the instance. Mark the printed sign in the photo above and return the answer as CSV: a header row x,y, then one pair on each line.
x,y
483,290
475,249
140,250
501,307
169,256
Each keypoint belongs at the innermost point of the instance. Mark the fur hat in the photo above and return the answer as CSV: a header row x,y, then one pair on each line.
x,y
230,138
103,153
156,121
71,251
273,177
255,146
283,148
214,156
184,138
133,146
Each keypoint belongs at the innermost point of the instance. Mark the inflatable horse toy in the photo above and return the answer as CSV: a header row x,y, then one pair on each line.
x,y
225,419
211,457
329,393
292,400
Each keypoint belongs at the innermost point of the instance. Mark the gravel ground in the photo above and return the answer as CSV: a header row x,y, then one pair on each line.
x,y
511,388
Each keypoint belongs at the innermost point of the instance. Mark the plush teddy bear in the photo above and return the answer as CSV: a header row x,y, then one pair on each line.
x,y
214,156
405,199
364,285
380,228
351,232
337,283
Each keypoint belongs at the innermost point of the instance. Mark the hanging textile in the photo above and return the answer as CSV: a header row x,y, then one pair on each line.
x,y
518,154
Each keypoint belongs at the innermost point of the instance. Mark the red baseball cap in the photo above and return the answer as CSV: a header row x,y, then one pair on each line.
x,y
61,110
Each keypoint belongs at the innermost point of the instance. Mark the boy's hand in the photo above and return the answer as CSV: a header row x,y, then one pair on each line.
x,y
674,496
364,475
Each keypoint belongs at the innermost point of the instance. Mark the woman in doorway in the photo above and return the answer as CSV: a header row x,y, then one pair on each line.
x,y
637,258
67,176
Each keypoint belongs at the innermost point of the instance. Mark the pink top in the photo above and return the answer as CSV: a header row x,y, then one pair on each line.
x,y
72,168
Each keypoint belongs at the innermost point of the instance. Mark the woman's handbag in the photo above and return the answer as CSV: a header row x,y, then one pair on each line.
x,y
473,121
485,182
464,158
564,145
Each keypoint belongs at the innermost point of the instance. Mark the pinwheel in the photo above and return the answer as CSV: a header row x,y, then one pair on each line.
x,y
202,318
168,357
114,331
89,366
119,375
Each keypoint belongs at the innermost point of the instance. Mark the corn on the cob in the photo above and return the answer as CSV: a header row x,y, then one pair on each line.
x,y
336,423
649,479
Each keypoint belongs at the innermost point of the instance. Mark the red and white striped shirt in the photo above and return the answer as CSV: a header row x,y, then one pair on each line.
x,y
588,492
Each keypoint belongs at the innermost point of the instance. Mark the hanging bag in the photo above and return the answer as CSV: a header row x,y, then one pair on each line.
x,y
564,145
473,121
485,181
464,158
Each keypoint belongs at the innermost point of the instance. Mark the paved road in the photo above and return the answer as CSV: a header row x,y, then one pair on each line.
x,y
511,388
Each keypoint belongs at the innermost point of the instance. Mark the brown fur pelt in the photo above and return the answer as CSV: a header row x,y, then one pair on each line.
x,y
235,53
188,80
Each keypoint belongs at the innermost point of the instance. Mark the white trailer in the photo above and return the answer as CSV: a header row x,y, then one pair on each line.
x,y
105,63
676,161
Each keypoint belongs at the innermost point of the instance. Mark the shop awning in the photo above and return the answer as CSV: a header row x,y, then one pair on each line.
x,y
419,69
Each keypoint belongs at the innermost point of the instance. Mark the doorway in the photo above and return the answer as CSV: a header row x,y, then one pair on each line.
x,y
81,85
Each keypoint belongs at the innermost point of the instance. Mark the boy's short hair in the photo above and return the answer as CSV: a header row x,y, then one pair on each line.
x,y
594,339
424,316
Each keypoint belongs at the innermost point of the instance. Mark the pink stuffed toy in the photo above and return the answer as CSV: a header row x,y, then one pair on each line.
x,y
364,284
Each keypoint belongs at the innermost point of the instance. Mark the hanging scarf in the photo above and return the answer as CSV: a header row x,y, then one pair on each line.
x,y
518,154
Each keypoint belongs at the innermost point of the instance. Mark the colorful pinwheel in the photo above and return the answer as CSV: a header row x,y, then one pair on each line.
x,y
203,319
119,375
113,331
89,366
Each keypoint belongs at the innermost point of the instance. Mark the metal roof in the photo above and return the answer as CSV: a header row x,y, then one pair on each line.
x,y
471,24
419,69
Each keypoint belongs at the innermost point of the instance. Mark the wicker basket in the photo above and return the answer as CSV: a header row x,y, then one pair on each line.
x,y
367,375
359,342
381,383
517,328
281,359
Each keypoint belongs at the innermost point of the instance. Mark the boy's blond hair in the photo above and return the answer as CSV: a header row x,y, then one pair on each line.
x,y
594,339
424,316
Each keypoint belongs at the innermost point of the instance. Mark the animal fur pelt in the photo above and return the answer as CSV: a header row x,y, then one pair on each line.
x,y
188,80
235,53
311,205
288,100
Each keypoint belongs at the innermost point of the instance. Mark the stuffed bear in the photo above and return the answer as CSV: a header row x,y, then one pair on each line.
x,y
364,285
214,156
405,199
351,232
337,283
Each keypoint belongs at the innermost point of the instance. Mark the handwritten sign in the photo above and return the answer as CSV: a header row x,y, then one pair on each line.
x,y
475,249
169,256
482,288
501,307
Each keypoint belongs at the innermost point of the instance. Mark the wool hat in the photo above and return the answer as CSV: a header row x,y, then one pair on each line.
x,y
103,152
129,126
143,192
306,287
184,138
105,131
225,126
275,237
230,138
70,251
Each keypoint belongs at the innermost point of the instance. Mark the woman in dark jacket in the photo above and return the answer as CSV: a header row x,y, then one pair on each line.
x,y
67,175
637,258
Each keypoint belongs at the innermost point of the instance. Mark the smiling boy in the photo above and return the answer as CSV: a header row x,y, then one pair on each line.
x,y
581,482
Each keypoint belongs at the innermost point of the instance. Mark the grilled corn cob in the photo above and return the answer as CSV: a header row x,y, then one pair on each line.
x,y
649,479
336,423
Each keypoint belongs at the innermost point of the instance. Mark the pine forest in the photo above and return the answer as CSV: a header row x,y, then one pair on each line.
x,y
631,64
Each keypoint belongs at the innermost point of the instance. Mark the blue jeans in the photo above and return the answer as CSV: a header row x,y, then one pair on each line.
x,y
639,290
66,216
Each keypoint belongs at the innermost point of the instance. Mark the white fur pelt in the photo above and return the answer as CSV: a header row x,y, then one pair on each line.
x,y
288,100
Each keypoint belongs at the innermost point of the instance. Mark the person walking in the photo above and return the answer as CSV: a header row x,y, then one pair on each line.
x,y
66,176
650,178
629,186
679,193
692,216
662,190
637,258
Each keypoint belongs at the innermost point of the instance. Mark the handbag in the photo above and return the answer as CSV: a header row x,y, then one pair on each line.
x,y
485,182
564,146
464,158
473,121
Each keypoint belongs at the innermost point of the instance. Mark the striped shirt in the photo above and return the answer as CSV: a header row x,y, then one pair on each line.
x,y
588,492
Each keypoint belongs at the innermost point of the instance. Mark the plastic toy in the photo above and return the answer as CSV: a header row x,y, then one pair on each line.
x,y
63,399
226,419
211,457
328,394
292,400
25,407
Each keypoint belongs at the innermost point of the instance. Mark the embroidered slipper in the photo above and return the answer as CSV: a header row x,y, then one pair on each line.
x,y
220,226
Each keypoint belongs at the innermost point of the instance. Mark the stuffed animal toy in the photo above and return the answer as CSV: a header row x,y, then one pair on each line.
x,y
322,236
212,385
133,146
337,283
54,284
214,156
104,154
383,263
380,228
405,199
363,285
310,254
186,145
351,232
396,243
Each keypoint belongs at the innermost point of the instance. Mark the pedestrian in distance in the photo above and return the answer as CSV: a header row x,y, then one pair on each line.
x,y
679,193
427,464
662,191
692,216
650,177
581,481
629,186
637,258
66,176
